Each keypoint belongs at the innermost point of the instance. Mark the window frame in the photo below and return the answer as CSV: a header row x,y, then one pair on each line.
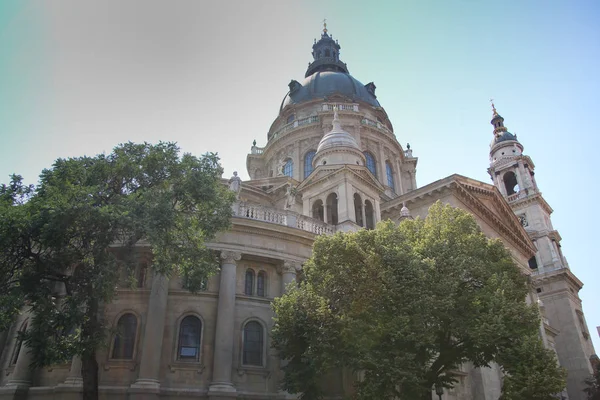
x,y
263,352
176,351
312,154
389,173
288,168
135,336
261,274
370,159
249,270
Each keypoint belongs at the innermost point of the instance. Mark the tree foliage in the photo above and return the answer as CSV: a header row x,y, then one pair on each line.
x,y
593,383
63,242
404,306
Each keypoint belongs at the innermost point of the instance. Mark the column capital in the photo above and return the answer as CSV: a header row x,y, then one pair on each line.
x,y
230,257
289,266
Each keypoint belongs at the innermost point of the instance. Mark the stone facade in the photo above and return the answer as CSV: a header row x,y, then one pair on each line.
x,y
331,163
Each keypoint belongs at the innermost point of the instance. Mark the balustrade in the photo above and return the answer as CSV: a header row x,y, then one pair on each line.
x,y
340,106
282,217
295,124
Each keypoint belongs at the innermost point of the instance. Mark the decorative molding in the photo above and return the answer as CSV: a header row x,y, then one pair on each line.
x,y
230,257
120,364
181,366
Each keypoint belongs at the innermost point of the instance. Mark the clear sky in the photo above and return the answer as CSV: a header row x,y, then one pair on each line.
x,y
79,77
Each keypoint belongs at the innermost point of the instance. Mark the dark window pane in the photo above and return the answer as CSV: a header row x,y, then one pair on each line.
x,y
308,159
260,284
390,175
371,163
288,169
249,286
190,332
253,344
125,337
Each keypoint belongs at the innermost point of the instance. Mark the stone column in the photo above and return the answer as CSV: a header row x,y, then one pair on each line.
x,y
325,210
74,377
224,335
288,274
147,385
364,213
21,378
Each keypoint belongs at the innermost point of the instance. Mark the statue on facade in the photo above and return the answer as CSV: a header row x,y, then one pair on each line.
x,y
235,185
291,197
281,167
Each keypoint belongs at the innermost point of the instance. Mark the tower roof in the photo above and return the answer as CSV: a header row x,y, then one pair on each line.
x,y
337,137
326,55
501,133
327,75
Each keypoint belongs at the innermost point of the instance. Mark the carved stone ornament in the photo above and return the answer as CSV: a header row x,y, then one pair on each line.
x,y
523,220
230,257
289,266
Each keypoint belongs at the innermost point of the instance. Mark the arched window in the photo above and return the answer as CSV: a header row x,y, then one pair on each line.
x,y
358,209
371,165
332,209
249,284
308,159
510,183
317,210
253,344
19,344
190,332
260,284
390,175
327,53
369,215
288,168
124,341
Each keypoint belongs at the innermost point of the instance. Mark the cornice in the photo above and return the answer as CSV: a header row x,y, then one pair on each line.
x,y
463,188
557,275
532,198
338,169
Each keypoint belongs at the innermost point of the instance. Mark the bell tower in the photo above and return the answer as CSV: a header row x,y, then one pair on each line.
x,y
556,285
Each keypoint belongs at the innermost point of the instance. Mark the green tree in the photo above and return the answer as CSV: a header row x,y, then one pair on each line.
x,y
593,384
404,306
61,242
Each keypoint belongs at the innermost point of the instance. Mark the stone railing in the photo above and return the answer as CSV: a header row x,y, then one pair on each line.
x,y
513,197
293,125
340,106
281,217
257,150
376,124
543,270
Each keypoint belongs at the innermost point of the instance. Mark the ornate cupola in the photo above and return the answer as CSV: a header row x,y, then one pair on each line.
x,y
326,55
338,147
504,144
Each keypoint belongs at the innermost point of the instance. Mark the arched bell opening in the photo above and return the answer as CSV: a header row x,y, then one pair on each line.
x,y
510,183
358,211
332,209
369,215
318,210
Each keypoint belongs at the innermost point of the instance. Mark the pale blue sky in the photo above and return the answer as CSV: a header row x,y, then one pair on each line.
x,y
79,77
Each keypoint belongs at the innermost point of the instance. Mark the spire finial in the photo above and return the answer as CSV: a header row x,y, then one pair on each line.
x,y
324,25
493,108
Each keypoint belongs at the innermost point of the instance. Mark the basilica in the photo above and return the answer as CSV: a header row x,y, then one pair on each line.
x,y
331,163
